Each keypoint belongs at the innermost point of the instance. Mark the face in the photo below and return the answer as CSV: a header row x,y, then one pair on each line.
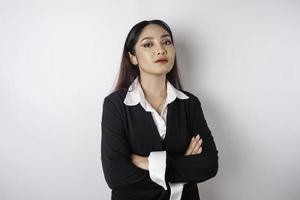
x,y
154,43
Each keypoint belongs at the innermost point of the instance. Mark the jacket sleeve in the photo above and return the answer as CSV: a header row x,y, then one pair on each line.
x,y
119,171
199,167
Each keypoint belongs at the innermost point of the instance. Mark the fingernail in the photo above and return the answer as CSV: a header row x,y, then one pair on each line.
x,y
198,136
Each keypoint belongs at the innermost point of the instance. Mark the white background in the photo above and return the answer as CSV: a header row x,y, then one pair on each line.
x,y
59,59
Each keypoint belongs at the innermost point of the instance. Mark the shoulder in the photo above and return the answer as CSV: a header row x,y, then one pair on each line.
x,y
193,103
115,98
192,97
117,95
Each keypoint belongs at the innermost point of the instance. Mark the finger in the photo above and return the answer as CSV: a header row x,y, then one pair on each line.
x,y
191,146
200,142
200,150
189,150
193,138
195,150
195,143
198,145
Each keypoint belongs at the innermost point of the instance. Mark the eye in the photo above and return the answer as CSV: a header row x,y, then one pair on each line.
x,y
147,44
168,41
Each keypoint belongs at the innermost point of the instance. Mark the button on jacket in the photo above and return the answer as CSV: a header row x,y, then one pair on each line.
x,y
131,125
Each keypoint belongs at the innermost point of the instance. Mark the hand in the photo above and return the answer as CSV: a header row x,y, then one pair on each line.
x,y
195,146
140,161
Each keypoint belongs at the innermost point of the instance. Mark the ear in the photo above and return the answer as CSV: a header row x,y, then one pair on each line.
x,y
132,59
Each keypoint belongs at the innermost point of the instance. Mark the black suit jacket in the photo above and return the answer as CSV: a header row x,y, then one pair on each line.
x,y
131,129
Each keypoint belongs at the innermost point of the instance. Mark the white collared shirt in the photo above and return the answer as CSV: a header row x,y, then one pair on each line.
x,y
157,159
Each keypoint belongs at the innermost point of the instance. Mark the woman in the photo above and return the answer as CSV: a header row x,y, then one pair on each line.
x,y
155,141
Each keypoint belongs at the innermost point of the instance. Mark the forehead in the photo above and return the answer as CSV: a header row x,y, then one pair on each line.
x,y
153,30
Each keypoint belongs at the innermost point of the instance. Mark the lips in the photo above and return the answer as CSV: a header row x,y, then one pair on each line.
x,y
161,60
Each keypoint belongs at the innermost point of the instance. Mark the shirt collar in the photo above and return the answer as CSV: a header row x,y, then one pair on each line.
x,y
135,95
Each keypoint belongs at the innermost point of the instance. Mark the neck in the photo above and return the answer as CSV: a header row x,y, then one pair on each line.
x,y
154,86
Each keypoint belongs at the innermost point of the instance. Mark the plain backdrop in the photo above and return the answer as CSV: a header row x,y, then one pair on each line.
x,y
59,59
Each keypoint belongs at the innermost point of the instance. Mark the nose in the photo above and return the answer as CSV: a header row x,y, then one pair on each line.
x,y
161,50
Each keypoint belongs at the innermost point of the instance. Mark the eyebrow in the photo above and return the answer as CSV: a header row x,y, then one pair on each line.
x,y
162,36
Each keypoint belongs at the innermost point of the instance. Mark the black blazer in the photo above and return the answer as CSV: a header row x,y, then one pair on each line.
x,y
131,129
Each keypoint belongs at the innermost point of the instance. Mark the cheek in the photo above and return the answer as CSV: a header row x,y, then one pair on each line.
x,y
171,51
172,55
145,56
148,58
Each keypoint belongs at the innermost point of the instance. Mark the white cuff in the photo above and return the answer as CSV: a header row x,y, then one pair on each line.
x,y
157,167
176,190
